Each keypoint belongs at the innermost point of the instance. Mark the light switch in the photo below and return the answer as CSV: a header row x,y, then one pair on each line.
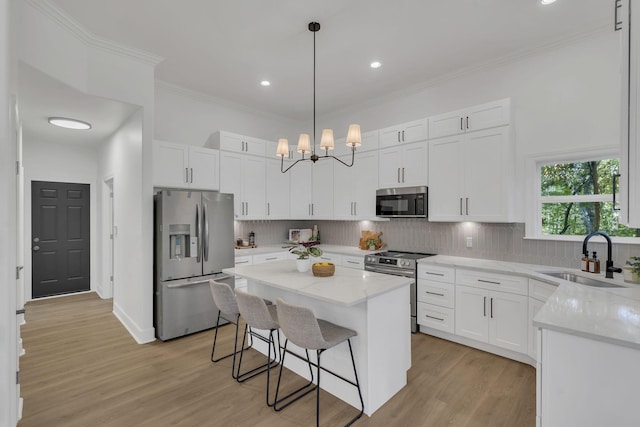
x,y
469,242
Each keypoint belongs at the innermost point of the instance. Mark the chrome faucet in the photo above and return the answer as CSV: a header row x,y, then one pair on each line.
x,y
610,268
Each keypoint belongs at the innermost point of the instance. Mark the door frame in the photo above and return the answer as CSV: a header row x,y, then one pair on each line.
x,y
108,231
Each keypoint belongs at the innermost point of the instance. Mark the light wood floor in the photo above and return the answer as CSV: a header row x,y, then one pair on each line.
x,y
82,368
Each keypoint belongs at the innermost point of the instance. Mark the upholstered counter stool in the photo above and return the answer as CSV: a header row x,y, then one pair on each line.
x,y
259,316
301,327
225,300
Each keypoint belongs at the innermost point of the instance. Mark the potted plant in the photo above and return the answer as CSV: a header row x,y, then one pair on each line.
x,y
632,270
372,243
303,262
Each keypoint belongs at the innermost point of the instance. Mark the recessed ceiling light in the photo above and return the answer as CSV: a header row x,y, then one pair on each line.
x,y
547,1
67,123
376,64
265,83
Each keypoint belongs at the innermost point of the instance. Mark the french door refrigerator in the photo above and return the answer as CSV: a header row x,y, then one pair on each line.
x,y
193,242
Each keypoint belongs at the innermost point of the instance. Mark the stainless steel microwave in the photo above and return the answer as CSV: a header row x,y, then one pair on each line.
x,y
402,202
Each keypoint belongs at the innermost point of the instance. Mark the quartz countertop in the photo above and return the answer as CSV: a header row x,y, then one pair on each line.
x,y
605,314
336,249
347,287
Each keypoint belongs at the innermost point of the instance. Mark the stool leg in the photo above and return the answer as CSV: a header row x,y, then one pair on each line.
x,y
355,373
299,392
215,339
319,352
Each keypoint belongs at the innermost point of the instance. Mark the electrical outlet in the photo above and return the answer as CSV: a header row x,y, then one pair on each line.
x,y
469,242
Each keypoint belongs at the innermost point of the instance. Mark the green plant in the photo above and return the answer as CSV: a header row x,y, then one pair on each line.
x,y
304,252
372,242
634,262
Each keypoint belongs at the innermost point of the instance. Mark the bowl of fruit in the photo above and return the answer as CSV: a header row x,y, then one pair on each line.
x,y
323,269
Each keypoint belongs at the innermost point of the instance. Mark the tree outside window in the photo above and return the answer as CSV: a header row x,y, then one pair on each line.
x,y
577,199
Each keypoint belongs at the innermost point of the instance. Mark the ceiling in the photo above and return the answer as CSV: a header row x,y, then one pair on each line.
x,y
225,48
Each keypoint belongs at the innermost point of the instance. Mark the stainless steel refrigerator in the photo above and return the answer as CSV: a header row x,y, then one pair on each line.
x,y
193,242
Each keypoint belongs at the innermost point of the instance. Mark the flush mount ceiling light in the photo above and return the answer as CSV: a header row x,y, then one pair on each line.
x,y
354,138
375,64
67,123
545,2
265,83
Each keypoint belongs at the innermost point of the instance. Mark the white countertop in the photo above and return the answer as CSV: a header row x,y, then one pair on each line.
x,y
346,287
336,249
605,314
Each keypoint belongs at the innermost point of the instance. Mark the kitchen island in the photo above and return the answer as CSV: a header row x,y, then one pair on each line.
x,y
374,305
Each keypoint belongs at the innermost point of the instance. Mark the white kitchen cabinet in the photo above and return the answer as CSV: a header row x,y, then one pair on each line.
x,y
240,282
403,166
312,190
227,141
405,133
484,116
335,259
354,188
630,126
471,177
244,176
436,298
277,190
185,166
270,257
497,318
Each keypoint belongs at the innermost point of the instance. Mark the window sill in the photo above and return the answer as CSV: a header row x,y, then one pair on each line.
x,y
580,239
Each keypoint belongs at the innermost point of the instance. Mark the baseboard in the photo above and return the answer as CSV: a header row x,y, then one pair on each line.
x,y
142,336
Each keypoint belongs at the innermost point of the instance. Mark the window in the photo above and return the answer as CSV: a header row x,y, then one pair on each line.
x,y
577,199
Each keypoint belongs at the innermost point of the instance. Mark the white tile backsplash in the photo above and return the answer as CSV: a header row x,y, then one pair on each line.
x,y
490,241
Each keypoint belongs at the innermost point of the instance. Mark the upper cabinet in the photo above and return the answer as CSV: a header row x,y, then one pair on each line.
x,y
227,141
185,166
484,116
471,177
277,186
354,188
415,131
403,166
630,129
370,141
244,176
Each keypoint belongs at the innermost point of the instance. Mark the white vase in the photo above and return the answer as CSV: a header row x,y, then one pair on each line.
x,y
303,265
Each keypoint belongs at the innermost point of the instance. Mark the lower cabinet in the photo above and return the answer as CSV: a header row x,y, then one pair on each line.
x,y
351,261
497,318
539,292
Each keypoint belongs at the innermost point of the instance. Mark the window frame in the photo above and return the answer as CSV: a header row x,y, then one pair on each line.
x,y
533,215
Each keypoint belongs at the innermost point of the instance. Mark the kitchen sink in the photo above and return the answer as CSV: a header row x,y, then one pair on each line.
x,y
581,279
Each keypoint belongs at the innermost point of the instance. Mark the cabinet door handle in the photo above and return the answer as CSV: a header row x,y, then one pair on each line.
x,y
402,136
398,175
614,178
433,317
467,205
617,24
489,281
247,207
271,258
435,293
467,122
460,205
434,274
355,208
491,302
398,136
484,305
402,174
353,262
268,209
192,175
241,262
461,128
312,209
186,175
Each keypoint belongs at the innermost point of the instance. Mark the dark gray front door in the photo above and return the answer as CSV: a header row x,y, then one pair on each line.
x,y
59,238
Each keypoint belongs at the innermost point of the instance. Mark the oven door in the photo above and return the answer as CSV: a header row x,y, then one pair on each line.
x,y
401,203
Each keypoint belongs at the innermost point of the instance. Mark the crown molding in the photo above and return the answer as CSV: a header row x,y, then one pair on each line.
x,y
66,22
213,100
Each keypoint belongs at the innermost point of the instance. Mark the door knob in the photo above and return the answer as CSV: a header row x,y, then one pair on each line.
x,y
36,248
36,240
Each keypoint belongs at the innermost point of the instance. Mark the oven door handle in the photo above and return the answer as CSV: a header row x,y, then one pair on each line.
x,y
395,272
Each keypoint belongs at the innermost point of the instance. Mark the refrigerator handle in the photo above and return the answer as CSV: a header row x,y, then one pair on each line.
x,y
205,221
198,232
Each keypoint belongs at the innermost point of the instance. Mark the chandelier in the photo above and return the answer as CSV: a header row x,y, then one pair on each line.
x,y
354,138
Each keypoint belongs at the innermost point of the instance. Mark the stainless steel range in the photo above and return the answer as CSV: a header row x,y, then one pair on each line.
x,y
399,264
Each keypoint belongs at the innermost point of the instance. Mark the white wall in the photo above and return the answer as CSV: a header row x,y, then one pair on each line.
x,y
8,303
564,98
44,161
184,117
52,43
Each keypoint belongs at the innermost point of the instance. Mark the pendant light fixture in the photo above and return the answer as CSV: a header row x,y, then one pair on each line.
x,y
354,138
